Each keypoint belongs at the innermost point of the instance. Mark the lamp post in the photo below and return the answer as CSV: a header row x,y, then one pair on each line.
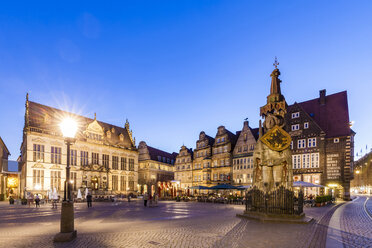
x,y
68,127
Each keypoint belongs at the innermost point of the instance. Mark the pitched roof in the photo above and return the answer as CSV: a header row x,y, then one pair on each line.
x,y
332,117
48,118
255,132
154,153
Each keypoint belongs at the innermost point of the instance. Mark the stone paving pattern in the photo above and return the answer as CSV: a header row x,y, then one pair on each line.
x,y
178,224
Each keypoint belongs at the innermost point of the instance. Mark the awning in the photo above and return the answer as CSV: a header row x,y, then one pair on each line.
x,y
306,184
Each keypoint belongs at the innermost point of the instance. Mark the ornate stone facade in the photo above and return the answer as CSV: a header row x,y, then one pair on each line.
x,y
183,170
4,154
243,155
104,157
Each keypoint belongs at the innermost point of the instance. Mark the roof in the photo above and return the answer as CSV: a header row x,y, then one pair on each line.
x,y
255,132
48,118
154,153
3,145
332,117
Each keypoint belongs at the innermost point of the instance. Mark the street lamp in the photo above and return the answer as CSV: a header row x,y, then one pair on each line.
x,y
68,127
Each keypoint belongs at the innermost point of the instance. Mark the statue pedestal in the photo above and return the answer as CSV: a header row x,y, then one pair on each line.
x,y
276,218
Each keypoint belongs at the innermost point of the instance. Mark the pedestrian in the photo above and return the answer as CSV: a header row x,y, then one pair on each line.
x,y
30,199
89,200
37,201
145,198
54,200
129,198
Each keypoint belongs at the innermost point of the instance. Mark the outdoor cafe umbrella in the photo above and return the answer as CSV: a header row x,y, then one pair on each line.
x,y
224,186
305,184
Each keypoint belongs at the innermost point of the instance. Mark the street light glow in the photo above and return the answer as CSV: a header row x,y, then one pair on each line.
x,y
68,127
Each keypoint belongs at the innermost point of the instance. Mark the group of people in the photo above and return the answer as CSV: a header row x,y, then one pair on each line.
x,y
153,199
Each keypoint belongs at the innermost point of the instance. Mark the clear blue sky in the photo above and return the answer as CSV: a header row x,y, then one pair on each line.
x,y
175,68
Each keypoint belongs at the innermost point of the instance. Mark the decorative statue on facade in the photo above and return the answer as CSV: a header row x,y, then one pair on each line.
x,y
272,155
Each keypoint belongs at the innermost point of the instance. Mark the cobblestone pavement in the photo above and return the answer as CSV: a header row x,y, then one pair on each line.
x,y
172,224
356,223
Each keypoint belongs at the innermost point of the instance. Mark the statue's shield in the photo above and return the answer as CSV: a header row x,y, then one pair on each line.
x,y
277,139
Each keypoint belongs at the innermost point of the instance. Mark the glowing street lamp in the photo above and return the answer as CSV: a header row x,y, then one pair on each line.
x,y
68,127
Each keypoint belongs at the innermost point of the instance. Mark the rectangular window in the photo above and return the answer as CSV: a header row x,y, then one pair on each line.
x,y
38,153
301,143
222,162
73,176
105,160
195,178
292,145
115,162
38,179
295,127
123,183
311,142
56,155
306,125
131,184
295,115
95,158
55,180
123,163
296,160
83,158
215,176
73,157
115,182
131,164
314,160
199,178
306,160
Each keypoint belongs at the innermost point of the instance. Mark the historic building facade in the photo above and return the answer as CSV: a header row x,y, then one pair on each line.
x,y
183,173
243,155
224,143
156,171
322,143
202,162
103,159
4,154
362,182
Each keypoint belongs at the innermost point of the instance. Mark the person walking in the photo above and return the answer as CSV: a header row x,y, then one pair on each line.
x,y
89,200
145,198
37,201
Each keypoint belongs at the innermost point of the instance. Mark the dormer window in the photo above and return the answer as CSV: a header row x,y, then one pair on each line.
x,y
306,125
121,137
295,115
223,139
112,130
336,140
108,134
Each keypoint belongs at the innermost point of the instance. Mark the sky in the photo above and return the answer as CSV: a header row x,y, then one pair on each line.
x,y
175,68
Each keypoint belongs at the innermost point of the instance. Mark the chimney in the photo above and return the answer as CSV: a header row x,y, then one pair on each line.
x,y
246,124
322,97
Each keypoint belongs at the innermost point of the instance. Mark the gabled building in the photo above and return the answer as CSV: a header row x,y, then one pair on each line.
x,y
103,159
183,169
243,155
4,155
202,162
224,143
322,143
156,170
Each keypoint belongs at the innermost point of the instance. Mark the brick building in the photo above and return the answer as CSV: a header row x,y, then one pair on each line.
x,y
322,143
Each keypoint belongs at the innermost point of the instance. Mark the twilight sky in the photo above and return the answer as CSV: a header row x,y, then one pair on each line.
x,y
175,68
